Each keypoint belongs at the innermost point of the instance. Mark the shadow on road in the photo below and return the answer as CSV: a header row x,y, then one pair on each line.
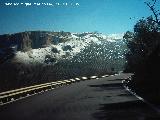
x,y
108,86
119,110
125,111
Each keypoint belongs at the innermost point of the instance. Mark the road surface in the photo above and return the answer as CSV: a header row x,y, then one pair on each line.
x,y
98,99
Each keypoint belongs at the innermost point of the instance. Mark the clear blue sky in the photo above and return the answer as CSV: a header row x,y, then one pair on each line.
x,y
105,16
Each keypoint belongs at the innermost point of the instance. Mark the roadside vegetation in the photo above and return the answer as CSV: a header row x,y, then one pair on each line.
x,y
144,55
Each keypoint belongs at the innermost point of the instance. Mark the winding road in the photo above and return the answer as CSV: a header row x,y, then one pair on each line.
x,y
96,99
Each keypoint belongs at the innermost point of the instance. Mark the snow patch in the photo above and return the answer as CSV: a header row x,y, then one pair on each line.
x,y
74,41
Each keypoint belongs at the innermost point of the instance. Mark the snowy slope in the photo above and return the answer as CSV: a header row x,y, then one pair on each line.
x,y
76,42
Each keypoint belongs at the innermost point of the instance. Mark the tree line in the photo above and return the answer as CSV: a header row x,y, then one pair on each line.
x,y
143,58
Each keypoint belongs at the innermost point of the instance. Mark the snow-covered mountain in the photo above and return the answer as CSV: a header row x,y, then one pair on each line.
x,y
40,56
72,44
50,48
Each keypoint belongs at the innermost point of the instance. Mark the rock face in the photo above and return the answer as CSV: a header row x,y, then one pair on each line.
x,y
37,57
50,47
31,40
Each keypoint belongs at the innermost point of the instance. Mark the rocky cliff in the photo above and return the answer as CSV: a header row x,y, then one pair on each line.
x,y
36,57
25,41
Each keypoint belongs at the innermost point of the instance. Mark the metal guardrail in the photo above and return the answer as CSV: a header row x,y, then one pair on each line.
x,y
13,95
21,89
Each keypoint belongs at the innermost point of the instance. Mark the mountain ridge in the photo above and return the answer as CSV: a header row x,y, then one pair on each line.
x,y
47,46
36,57
38,39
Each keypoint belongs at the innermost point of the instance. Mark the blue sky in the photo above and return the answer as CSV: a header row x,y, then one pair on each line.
x,y
105,16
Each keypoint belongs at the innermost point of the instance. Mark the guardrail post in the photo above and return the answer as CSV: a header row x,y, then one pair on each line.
x,y
1,102
12,95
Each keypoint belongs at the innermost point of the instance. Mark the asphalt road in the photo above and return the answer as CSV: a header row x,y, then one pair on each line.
x,y
98,99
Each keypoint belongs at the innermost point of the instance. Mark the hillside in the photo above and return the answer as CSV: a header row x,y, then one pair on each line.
x,y
48,56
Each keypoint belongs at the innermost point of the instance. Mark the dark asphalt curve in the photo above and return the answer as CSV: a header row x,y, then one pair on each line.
x,y
102,99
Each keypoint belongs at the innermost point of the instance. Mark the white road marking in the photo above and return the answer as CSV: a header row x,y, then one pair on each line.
x,y
93,77
104,76
72,80
52,84
77,79
84,78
